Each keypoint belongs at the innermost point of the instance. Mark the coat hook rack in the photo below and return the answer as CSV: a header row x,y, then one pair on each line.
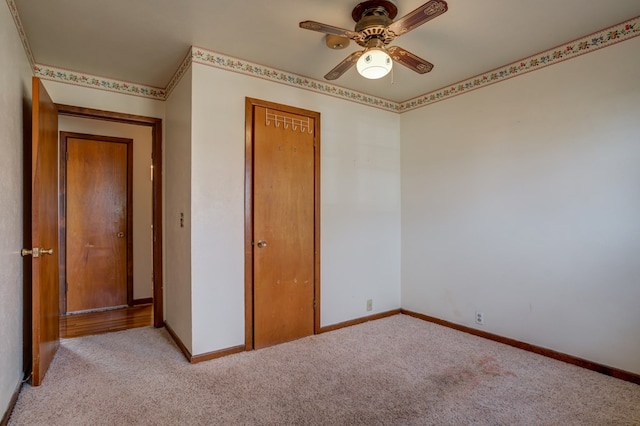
x,y
303,125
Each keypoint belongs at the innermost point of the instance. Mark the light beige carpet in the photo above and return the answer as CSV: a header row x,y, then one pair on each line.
x,y
394,371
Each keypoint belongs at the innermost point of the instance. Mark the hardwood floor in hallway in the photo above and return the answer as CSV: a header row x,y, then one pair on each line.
x,y
76,325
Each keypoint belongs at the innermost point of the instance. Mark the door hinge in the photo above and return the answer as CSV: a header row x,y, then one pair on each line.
x,y
314,304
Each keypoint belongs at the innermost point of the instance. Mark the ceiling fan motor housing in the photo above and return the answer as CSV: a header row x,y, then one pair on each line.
x,y
375,17
373,20
363,8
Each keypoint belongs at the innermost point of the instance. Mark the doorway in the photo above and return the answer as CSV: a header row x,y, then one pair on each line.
x,y
282,223
42,227
138,309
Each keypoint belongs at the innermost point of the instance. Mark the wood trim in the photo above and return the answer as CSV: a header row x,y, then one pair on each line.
x,y
570,359
216,354
250,103
97,114
194,359
316,145
156,155
62,221
359,320
12,404
248,225
158,280
129,231
178,342
62,209
143,301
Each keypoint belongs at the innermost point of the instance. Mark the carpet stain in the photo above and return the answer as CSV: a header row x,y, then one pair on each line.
x,y
489,366
456,378
466,378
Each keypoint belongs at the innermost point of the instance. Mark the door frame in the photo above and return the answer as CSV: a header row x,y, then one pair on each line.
x,y
156,162
62,216
250,104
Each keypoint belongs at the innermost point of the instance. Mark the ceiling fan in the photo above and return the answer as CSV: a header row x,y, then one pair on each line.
x,y
374,30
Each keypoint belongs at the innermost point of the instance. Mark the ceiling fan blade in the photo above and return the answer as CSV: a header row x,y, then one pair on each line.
x,y
327,29
414,19
343,66
409,60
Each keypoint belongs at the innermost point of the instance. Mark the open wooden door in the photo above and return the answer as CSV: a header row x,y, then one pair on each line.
x,y
42,256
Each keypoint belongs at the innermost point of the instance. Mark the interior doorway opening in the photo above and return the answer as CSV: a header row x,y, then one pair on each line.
x,y
143,305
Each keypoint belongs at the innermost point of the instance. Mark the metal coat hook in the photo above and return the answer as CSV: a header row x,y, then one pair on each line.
x,y
295,123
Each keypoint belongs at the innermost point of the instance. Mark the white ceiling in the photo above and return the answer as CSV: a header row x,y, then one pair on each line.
x,y
144,41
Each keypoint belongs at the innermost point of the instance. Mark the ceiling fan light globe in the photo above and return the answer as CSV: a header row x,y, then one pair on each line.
x,y
374,63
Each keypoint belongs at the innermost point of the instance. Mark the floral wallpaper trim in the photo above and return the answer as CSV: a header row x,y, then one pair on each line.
x,y
182,69
607,37
218,60
82,79
23,36
590,43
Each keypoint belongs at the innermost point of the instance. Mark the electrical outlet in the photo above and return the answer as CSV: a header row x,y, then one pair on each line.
x,y
369,305
479,318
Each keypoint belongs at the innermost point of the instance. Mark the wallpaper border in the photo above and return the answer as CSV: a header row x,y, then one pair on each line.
x,y
609,36
23,36
47,72
218,60
182,69
589,43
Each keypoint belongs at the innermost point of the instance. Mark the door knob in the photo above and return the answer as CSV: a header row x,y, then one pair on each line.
x,y
262,244
120,234
45,251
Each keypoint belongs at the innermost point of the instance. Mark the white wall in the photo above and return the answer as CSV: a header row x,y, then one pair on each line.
x,y
177,189
15,94
360,212
142,191
522,200
68,94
